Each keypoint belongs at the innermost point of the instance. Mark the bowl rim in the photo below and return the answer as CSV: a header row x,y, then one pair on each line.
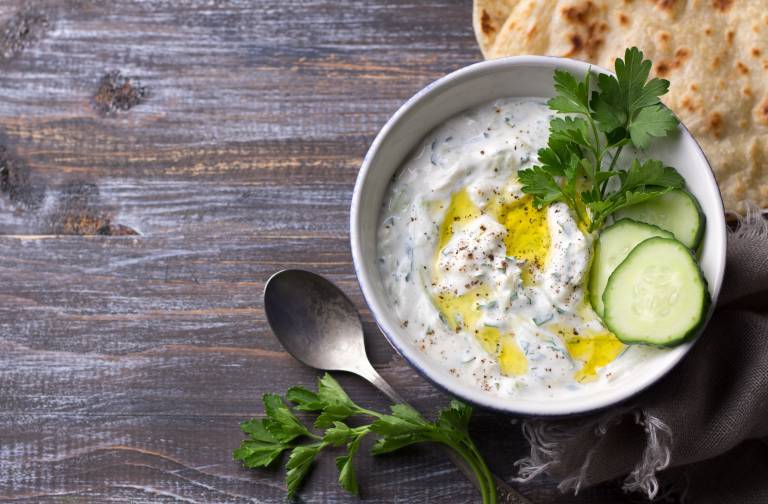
x,y
377,306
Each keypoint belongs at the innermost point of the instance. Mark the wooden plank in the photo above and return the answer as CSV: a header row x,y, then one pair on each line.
x,y
134,244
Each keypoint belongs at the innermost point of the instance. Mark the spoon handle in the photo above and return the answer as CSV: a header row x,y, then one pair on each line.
x,y
505,493
377,381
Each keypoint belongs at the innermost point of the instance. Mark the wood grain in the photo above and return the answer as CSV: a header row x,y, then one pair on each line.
x,y
135,240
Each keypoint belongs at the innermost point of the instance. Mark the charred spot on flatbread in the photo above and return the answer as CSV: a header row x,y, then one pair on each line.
x,y
761,112
588,29
722,5
485,23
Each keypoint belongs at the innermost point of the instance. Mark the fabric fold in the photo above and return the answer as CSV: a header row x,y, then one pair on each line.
x,y
674,436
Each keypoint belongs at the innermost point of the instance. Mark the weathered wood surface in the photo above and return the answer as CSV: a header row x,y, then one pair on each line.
x,y
139,222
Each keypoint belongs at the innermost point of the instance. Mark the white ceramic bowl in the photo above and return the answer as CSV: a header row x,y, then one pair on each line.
x,y
523,76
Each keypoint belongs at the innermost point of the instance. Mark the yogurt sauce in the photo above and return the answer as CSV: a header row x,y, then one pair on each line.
x,y
483,282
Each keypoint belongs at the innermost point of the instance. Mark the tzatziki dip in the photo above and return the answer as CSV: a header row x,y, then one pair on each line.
x,y
483,282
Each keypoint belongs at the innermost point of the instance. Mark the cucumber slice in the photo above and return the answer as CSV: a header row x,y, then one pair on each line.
x,y
613,245
676,211
657,296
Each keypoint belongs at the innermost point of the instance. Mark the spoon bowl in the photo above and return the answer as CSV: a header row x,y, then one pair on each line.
x,y
313,319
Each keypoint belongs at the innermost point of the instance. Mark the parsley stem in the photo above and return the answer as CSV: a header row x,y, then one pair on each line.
x,y
581,213
481,471
466,449
604,185
597,152
483,467
370,413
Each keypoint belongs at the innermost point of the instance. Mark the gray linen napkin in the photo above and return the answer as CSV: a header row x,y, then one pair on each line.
x,y
700,433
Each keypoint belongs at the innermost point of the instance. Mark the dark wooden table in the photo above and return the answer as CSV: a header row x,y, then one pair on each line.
x,y
160,159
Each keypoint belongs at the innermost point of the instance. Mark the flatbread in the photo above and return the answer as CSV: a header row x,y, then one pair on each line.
x,y
488,16
714,52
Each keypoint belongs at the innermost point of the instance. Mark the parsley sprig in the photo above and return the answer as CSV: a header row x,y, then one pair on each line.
x,y
281,430
578,166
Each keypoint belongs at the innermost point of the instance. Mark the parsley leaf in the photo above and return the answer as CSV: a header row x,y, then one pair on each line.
x,y
305,400
347,478
393,443
632,75
261,448
330,399
329,391
543,182
281,422
281,430
625,110
556,156
407,413
570,130
607,106
649,122
338,405
640,183
542,185
650,173
339,434
631,102
573,96
299,463
333,413
455,417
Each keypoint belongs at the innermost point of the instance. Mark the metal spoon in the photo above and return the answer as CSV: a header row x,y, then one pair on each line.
x,y
320,327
